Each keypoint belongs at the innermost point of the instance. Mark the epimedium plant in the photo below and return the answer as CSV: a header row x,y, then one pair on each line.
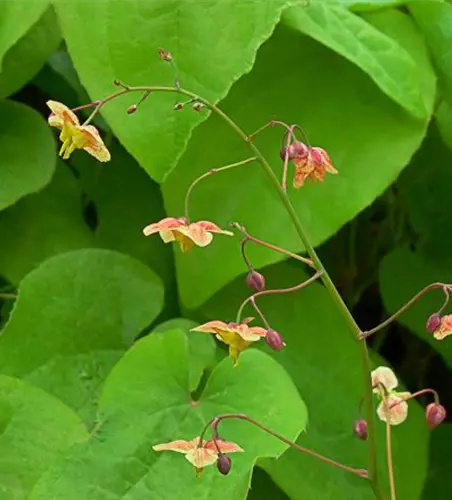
x,y
310,164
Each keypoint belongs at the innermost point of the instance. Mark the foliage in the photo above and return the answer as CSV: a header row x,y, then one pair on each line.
x,y
97,360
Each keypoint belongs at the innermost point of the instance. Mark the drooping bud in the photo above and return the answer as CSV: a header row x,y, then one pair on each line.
x,y
434,414
198,106
131,109
165,55
117,83
360,429
224,464
178,106
274,340
433,323
255,281
295,149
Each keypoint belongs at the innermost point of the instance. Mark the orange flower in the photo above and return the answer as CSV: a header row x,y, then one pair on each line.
x,y
75,136
445,328
199,454
237,337
187,234
310,163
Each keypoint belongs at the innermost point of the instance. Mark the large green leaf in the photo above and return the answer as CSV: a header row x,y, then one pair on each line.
x,y
113,39
29,54
324,362
16,18
435,20
73,318
146,401
443,118
35,429
42,225
27,161
353,120
380,56
402,274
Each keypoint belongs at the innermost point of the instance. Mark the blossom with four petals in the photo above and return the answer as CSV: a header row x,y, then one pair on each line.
x,y
237,336
393,404
199,454
185,232
75,136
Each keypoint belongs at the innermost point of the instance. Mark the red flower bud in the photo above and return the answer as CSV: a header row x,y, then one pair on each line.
x,y
360,429
435,414
274,340
433,323
165,55
255,281
131,109
224,464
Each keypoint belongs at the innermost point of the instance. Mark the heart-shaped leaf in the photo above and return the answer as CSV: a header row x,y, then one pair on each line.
x,y
355,131
35,429
73,318
146,400
111,40
324,362
27,161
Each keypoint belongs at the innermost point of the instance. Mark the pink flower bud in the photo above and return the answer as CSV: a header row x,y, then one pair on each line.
x,y
274,340
360,429
255,281
224,464
435,414
433,323
165,55
131,109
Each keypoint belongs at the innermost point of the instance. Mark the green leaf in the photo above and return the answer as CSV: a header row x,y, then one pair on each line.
x,y
146,400
16,18
29,54
42,225
380,56
435,20
324,362
263,487
202,348
111,40
443,117
35,429
405,272
28,156
73,318
372,5
354,130
126,200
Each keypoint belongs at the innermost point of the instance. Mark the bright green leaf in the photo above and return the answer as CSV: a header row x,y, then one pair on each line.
x,y
146,400
35,429
435,20
214,44
72,316
16,18
443,117
405,272
42,225
27,161
29,54
324,362
379,55
353,120
201,348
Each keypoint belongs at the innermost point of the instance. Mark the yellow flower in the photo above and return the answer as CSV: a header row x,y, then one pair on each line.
x,y
237,337
75,136
187,234
199,454
393,405
445,328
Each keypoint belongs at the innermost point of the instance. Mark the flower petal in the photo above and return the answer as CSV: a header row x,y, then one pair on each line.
x,y
197,234
397,414
179,446
95,146
201,457
250,334
60,114
445,328
211,327
385,376
224,446
213,228
166,224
